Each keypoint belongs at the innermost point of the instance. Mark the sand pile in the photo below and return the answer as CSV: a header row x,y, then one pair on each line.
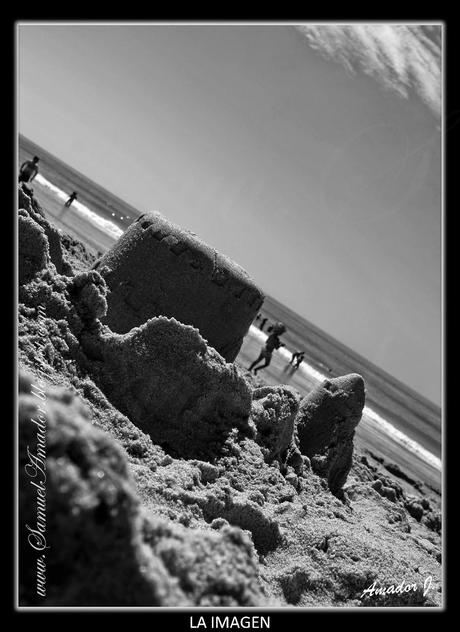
x,y
97,531
174,387
172,466
274,412
32,209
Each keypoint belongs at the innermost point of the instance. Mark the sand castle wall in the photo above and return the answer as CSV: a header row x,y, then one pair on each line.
x,y
158,269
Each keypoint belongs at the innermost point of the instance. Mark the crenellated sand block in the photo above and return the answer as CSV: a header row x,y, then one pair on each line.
x,y
157,268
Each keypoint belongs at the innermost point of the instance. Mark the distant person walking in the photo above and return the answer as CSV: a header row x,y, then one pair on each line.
x,y
28,170
72,197
262,323
297,359
273,342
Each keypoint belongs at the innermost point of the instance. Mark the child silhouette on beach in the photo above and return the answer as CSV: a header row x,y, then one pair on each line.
x,y
297,359
72,197
28,170
273,342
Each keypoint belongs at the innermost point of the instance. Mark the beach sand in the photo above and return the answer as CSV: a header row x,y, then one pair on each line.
x,y
205,495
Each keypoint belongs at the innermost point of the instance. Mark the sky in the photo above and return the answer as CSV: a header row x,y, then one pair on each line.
x,y
310,154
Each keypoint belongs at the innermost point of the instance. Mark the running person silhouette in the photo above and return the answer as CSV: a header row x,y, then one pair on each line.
x,y
297,358
273,342
72,197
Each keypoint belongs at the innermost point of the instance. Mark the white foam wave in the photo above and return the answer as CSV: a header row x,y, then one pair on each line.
x,y
373,418
103,224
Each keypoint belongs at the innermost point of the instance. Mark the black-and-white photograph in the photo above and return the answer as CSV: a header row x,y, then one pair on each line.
x,y
229,317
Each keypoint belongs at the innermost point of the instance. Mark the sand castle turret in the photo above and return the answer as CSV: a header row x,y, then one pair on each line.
x,y
157,268
326,424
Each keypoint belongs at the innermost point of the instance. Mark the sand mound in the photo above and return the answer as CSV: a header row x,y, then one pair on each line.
x,y
92,513
33,248
29,205
172,386
326,425
212,568
274,412
96,532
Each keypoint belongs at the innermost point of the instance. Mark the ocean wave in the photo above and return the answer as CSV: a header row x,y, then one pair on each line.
x,y
104,224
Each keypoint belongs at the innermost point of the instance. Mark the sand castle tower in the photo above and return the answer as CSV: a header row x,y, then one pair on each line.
x,y
157,268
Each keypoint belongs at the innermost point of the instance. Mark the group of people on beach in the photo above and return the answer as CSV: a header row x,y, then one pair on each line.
x,y
272,343
28,171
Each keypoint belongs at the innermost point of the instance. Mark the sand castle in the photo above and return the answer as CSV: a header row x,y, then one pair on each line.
x,y
158,269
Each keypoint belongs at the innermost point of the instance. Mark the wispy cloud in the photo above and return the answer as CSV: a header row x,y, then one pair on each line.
x,y
402,58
